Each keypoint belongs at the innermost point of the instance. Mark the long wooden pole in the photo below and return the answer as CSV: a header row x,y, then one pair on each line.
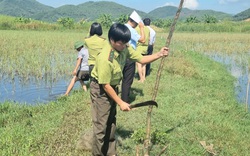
x,y
147,139
247,95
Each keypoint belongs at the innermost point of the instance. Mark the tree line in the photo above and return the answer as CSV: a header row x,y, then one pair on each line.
x,y
194,24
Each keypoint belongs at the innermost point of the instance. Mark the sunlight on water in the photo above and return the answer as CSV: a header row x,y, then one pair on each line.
x,y
33,92
237,65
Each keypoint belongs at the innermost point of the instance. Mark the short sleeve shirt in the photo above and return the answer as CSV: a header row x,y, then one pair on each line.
x,y
152,36
134,36
84,55
143,47
110,63
94,44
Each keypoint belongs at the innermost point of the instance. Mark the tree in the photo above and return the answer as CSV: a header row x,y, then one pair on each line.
x,y
163,23
23,20
66,22
123,19
192,19
105,20
210,19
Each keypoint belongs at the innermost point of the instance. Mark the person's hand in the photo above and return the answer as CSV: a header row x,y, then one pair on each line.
x,y
124,106
74,72
141,25
164,52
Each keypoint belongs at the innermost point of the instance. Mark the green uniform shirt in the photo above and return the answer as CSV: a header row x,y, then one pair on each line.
x,y
143,47
94,44
110,63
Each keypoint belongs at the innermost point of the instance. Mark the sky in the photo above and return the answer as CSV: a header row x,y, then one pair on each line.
x,y
227,6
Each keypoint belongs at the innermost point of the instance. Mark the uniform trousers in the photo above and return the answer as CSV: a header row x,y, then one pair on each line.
x,y
127,80
104,121
148,66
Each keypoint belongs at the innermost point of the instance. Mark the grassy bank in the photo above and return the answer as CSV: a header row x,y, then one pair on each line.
x,y
196,103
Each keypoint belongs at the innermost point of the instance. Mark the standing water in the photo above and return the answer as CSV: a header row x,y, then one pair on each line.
x,y
239,68
45,90
33,92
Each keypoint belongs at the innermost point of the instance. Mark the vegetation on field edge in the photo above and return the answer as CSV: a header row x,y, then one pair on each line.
x,y
190,24
196,103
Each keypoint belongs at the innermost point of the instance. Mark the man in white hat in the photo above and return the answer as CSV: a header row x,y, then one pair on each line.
x,y
129,69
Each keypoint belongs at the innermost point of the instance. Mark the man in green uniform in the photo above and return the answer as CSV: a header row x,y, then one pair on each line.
x,y
106,75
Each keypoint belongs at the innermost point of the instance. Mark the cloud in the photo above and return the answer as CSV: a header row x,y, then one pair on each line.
x,y
190,4
170,4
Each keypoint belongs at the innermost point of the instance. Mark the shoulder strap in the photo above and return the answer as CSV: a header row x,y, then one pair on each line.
x,y
111,55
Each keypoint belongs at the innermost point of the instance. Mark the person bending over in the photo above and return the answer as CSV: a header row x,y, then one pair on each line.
x,y
106,75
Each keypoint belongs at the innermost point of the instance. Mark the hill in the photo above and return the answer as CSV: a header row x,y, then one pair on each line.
x,y
242,15
22,8
92,10
170,11
88,10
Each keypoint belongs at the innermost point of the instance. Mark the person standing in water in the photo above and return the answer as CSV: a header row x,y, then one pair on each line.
x,y
81,70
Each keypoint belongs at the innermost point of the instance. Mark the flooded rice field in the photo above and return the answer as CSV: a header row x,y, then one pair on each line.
x,y
239,68
37,67
42,91
33,92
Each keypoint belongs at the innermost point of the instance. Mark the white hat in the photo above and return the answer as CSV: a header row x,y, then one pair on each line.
x,y
134,16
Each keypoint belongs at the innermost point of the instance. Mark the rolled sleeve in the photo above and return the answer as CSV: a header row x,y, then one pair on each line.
x,y
134,55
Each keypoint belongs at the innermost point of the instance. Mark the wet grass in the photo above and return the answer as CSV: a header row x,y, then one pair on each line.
x,y
224,43
37,54
196,101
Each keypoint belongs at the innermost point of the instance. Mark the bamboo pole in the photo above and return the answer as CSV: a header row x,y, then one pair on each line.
x,y
163,150
147,139
247,95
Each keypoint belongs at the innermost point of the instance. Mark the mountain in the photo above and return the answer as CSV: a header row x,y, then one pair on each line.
x,y
22,8
88,10
92,10
242,15
170,11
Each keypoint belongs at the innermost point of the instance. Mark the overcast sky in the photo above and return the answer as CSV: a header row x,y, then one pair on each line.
x,y
227,6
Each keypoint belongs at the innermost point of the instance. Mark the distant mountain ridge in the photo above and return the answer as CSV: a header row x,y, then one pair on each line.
x,y
25,8
88,10
242,15
92,10
170,11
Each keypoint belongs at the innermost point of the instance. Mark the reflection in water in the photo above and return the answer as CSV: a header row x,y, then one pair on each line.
x,y
33,92
238,66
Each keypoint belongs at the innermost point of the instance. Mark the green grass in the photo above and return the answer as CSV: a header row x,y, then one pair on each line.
x,y
38,54
196,103
196,98
222,26
43,129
